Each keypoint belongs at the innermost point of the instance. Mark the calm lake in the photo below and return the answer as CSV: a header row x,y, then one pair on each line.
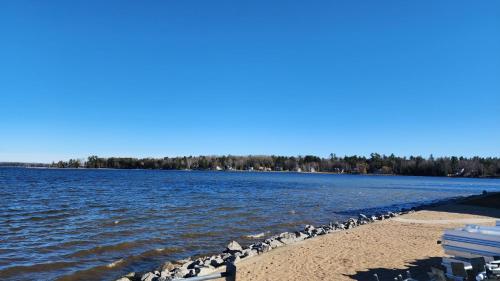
x,y
100,224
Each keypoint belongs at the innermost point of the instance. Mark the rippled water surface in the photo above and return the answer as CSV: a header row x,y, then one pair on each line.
x,y
100,224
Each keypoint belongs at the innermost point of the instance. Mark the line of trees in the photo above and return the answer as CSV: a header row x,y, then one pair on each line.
x,y
375,164
24,164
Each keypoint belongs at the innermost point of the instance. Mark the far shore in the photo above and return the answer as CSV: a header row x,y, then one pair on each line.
x,y
248,171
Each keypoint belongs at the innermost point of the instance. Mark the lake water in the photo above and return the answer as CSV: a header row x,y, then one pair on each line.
x,y
100,224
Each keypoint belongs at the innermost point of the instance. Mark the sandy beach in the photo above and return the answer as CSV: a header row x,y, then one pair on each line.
x,y
388,248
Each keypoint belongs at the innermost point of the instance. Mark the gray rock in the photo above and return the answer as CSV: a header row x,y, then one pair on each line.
x,y
216,262
204,270
261,247
134,276
207,261
247,253
165,273
287,238
319,231
274,243
191,273
286,235
123,279
167,266
350,223
327,228
362,217
233,247
184,261
265,248
164,278
238,254
180,272
232,259
309,229
150,276
192,264
299,236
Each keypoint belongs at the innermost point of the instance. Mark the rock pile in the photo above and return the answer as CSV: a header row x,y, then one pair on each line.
x,y
234,252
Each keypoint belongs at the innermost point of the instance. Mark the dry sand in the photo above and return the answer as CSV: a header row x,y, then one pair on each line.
x,y
387,248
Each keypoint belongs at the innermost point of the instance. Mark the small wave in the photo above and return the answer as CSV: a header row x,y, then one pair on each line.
x,y
62,246
226,208
101,272
258,235
155,252
43,218
194,235
113,248
41,267
115,263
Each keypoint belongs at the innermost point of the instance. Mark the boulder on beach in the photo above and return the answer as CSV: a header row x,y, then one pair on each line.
x,y
180,272
309,229
204,270
167,266
233,246
274,243
216,261
261,247
150,276
247,253
363,217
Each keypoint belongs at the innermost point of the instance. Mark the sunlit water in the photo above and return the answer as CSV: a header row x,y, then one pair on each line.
x,y
100,224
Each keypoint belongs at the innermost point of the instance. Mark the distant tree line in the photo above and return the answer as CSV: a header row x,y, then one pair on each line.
x,y
23,164
375,164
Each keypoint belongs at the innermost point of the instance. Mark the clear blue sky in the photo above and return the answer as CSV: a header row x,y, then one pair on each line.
x,y
166,78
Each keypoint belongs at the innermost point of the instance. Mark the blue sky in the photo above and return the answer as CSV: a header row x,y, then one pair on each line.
x,y
166,78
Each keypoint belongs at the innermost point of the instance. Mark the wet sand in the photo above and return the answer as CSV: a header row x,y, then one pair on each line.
x,y
388,248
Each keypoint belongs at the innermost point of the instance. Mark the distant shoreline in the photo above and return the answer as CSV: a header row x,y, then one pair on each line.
x,y
375,164
246,171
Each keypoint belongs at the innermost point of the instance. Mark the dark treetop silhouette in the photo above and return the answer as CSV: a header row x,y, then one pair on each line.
x,y
375,164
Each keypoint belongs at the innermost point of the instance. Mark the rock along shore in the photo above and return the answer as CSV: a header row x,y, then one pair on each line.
x,y
234,252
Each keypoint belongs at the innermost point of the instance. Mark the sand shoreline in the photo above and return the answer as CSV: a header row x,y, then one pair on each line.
x,y
388,248
345,250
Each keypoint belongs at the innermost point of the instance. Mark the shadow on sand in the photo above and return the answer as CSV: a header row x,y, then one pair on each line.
x,y
418,270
